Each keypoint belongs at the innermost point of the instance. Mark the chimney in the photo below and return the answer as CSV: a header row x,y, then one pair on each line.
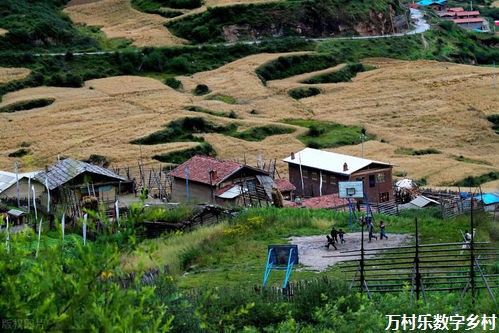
x,y
46,168
345,166
292,156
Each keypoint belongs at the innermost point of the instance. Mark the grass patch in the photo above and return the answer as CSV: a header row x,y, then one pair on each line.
x,y
19,153
173,83
299,93
328,134
284,67
182,130
345,74
412,152
27,105
155,7
471,181
214,255
261,132
461,158
180,156
160,214
222,98
103,42
494,119
232,114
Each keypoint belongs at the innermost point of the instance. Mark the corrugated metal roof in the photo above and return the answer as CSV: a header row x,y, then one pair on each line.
x,y
7,179
232,192
328,161
422,201
67,169
16,212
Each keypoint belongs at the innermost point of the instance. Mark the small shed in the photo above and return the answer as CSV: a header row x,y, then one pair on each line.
x,y
490,200
419,202
17,216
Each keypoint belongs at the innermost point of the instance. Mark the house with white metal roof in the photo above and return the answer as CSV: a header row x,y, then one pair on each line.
x,y
317,172
10,184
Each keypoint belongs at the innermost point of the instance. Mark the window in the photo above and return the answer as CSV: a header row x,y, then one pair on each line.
x,y
372,181
383,197
305,174
313,175
380,177
332,180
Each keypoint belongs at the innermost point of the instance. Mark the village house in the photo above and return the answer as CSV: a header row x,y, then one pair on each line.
x,y
70,182
317,172
207,179
437,5
12,187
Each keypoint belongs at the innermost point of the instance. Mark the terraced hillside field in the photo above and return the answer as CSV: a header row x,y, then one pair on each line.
x,y
407,105
118,19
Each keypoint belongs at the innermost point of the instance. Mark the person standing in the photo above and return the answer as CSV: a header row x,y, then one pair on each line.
x,y
382,230
341,233
334,234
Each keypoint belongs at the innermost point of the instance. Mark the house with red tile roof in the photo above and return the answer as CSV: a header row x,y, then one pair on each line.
x,y
285,187
207,179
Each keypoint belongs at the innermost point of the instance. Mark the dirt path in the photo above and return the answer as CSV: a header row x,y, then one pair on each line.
x,y
313,254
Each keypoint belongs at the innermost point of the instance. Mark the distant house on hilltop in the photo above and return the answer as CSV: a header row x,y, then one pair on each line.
x,y
320,171
207,179
433,4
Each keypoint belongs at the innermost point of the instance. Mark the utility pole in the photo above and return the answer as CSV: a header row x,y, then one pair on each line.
x,y
362,138
17,184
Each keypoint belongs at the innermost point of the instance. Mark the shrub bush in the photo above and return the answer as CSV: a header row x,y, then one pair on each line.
x,y
27,105
201,89
299,93
173,83
19,153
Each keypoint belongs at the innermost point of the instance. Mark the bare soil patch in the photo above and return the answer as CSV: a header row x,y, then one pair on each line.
x,y
3,31
8,74
118,19
313,254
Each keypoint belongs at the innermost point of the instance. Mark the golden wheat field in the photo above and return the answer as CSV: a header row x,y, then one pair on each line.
x,y
118,19
8,74
410,105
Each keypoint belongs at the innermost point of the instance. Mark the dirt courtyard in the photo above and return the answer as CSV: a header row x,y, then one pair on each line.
x,y
313,254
